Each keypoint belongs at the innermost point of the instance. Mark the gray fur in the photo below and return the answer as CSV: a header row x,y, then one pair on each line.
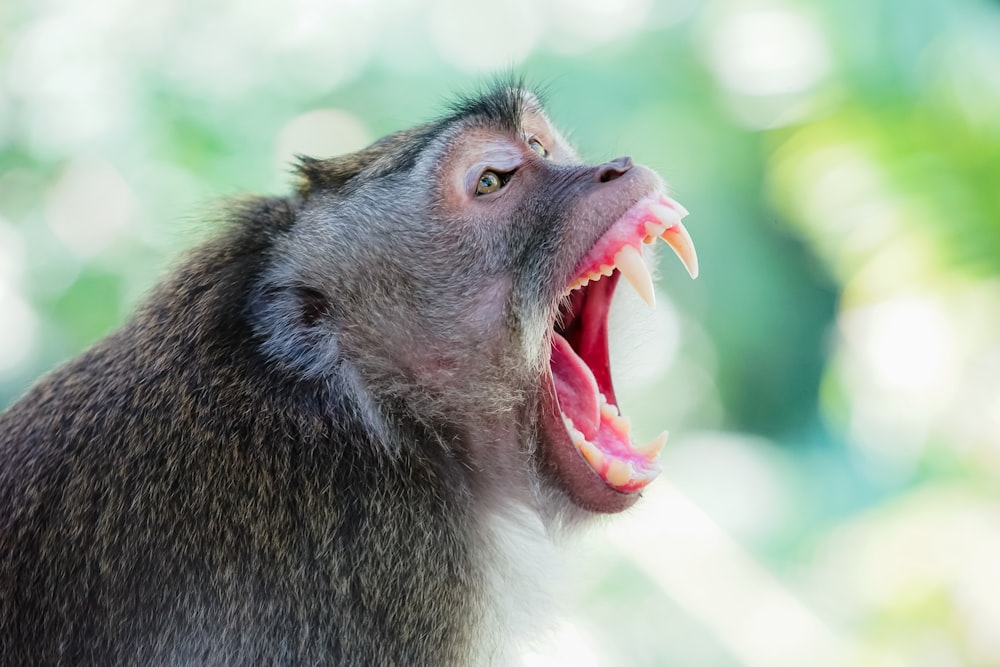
x,y
315,443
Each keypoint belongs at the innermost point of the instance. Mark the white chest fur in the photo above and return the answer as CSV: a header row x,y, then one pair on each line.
x,y
520,562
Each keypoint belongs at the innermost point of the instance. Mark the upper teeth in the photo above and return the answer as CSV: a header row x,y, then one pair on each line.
x,y
665,222
668,217
629,262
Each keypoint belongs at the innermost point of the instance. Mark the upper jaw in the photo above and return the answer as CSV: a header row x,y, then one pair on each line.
x,y
656,215
644,212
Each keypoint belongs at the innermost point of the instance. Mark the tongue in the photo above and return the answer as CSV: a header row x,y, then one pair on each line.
x,y
576,387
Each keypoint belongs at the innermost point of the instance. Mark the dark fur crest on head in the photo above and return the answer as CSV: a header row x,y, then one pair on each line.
x,y
499,105
390,155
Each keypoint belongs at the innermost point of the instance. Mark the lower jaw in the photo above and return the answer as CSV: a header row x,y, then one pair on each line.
x,y
567,468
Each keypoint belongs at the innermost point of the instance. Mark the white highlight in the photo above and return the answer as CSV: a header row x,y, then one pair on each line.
x,y
19,331
12,252
928,557
569,647
643,342
594,21
320,133
768,52
473,38
681,549
89,207
908,343
710,465
901,363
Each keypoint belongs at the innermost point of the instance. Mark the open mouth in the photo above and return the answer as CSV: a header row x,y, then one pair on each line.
x,y
579,362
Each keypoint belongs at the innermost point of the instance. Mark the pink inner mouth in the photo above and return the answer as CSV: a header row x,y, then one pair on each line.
x,y
581,373
579,362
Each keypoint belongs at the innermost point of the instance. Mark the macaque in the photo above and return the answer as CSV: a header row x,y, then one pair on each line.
x,y
346,430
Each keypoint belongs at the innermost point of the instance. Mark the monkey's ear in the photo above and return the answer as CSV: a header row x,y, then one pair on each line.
x,y
330,174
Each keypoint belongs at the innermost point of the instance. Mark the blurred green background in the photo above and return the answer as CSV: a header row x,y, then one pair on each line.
x,y
831,381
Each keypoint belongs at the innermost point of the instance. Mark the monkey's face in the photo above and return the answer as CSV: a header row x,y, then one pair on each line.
x,y
470,265
569,231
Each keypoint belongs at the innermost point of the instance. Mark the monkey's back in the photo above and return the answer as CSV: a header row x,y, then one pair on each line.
x,y
170,497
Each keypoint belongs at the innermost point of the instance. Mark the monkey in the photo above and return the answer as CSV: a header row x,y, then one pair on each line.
x,y
348,428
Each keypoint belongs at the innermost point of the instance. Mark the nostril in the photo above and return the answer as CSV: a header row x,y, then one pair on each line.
x,y
611,170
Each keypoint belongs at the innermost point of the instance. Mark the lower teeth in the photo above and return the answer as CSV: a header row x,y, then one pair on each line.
x,y
617,472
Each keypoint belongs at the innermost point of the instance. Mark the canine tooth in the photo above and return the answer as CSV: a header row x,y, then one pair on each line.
x,y
677,237
644,477
619,472
653,448
630,264
667,216
593,455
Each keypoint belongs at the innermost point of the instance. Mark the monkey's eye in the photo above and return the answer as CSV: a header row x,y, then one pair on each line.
x,y
536,145
489,182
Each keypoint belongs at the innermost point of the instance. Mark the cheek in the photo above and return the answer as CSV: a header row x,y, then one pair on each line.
x,y
475,339
488,310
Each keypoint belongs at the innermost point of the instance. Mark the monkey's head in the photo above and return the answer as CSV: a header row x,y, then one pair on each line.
x,y
462,271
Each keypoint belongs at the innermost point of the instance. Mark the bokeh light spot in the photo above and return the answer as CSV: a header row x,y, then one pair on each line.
x,y
321,133
90,207
907,343
19,331
473,38
595,21
768,52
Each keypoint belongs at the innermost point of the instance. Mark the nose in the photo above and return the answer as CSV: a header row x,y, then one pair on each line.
x,y
612,169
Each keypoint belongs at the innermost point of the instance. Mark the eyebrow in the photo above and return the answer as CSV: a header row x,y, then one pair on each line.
x,y
501,153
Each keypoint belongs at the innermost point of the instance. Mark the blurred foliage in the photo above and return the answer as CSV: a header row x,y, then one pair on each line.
x,y
833,377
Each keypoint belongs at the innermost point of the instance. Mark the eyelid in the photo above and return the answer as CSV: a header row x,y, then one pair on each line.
x,y
473,175
545,151
472,180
